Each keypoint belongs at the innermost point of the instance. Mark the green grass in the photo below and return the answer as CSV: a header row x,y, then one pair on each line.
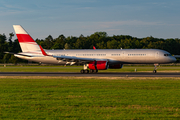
x,y
40,69
78,68
89,98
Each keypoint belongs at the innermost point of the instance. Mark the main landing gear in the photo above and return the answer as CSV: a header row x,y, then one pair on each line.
x,y
86,71
155,68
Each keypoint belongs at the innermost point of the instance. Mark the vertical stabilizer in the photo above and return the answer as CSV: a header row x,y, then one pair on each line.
x,y
25,40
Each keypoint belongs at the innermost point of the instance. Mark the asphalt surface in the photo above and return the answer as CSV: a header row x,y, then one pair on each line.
x,y
100,74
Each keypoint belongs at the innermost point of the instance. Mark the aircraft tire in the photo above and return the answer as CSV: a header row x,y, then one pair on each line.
x,y
91,71
96,71
86,71
82,71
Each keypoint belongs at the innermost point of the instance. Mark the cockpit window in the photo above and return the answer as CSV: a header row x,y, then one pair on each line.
x,y
167,54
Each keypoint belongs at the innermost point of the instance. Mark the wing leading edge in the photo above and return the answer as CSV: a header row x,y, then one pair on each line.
x,y
76,59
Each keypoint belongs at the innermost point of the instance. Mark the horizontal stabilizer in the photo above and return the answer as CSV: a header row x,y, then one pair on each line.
x,y
18,54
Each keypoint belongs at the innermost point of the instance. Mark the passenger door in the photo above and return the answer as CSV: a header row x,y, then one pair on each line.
x,y
157,54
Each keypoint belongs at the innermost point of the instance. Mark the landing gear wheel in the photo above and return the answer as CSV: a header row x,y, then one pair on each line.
x,y
155,68
96,71
82,71
86,71
91,71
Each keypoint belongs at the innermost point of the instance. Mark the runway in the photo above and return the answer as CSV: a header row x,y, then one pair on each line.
x,y
100,74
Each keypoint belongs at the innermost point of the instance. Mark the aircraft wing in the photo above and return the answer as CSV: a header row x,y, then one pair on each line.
x,y
76,59
18,54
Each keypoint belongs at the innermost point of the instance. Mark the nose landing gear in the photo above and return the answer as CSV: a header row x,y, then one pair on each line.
x,y
155,68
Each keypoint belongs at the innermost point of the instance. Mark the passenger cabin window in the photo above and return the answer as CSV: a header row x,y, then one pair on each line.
x,y
136,54
115,54
90,54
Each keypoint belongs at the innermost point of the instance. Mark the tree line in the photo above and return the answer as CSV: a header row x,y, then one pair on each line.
x,y
99,39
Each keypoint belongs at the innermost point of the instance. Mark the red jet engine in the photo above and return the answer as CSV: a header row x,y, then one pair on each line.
x,y
98,65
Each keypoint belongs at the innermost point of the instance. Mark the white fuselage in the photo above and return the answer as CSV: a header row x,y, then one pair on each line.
x,y
113,56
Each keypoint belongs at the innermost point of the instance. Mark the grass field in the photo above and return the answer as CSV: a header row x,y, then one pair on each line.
x,y
78,68
89,98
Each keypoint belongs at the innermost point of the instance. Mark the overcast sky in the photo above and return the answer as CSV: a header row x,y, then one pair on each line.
x,y
138,18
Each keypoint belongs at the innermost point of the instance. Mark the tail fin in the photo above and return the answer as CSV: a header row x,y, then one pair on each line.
x,y
25,40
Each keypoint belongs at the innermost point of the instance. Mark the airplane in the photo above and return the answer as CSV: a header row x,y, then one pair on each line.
x,y
92,59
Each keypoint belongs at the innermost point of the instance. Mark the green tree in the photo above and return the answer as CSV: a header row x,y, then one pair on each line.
x,y
101,34
59,42
101,45
13,59
40,42
78,44
48,42
67,46
10,43
16,46
3,47
112,44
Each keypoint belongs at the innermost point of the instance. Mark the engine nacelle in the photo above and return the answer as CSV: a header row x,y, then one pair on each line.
x,y
115,66
98,65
